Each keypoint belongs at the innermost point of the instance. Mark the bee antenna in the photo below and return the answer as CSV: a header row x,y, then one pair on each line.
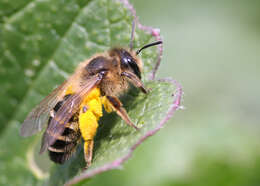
x,y
131,45
148,45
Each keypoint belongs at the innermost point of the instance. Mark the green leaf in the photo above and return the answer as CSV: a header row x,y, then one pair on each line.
x,y
41,42
115,140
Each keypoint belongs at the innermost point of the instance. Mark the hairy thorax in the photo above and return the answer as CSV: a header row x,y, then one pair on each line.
x,y
113,85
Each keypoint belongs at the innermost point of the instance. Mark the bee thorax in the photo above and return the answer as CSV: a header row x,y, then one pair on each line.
x,y
109,87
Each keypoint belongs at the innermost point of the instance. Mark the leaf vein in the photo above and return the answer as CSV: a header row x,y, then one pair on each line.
x,y
17,11
48,61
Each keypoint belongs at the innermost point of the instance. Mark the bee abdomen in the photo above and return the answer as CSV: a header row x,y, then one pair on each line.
x,y
64,146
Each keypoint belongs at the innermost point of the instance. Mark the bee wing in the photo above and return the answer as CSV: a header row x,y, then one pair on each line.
x,y
37,118
66,111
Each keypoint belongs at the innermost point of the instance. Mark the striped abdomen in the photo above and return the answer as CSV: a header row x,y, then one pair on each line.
x,y
66,143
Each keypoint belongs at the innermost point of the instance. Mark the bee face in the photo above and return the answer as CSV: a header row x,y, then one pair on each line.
x,y
128,61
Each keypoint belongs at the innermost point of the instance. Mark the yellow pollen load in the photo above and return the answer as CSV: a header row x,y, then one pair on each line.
x,y
88,117
91,111
88,124
89,114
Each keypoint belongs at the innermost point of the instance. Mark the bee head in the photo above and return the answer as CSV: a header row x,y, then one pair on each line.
x,y
129,61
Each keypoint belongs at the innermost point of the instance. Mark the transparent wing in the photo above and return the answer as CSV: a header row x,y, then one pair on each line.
x,y
37,118
66,111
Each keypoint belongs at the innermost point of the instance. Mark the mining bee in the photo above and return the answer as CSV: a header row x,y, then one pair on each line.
x,y
72,110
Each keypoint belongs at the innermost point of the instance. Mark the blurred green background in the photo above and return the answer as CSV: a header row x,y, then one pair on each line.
x,y
213,49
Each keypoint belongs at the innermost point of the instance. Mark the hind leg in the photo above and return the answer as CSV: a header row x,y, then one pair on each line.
x,y
88,124
88,152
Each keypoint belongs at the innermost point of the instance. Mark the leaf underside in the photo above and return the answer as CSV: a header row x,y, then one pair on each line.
x,y
41,42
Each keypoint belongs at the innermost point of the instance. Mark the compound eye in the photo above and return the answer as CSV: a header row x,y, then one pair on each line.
x,y
128,63
131,64
126,60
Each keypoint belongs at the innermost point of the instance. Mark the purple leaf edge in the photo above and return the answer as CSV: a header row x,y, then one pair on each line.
x,y
155,32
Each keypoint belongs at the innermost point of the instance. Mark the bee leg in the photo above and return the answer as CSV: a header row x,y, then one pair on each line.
x,y
118,107
135,81
88,124
88,152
